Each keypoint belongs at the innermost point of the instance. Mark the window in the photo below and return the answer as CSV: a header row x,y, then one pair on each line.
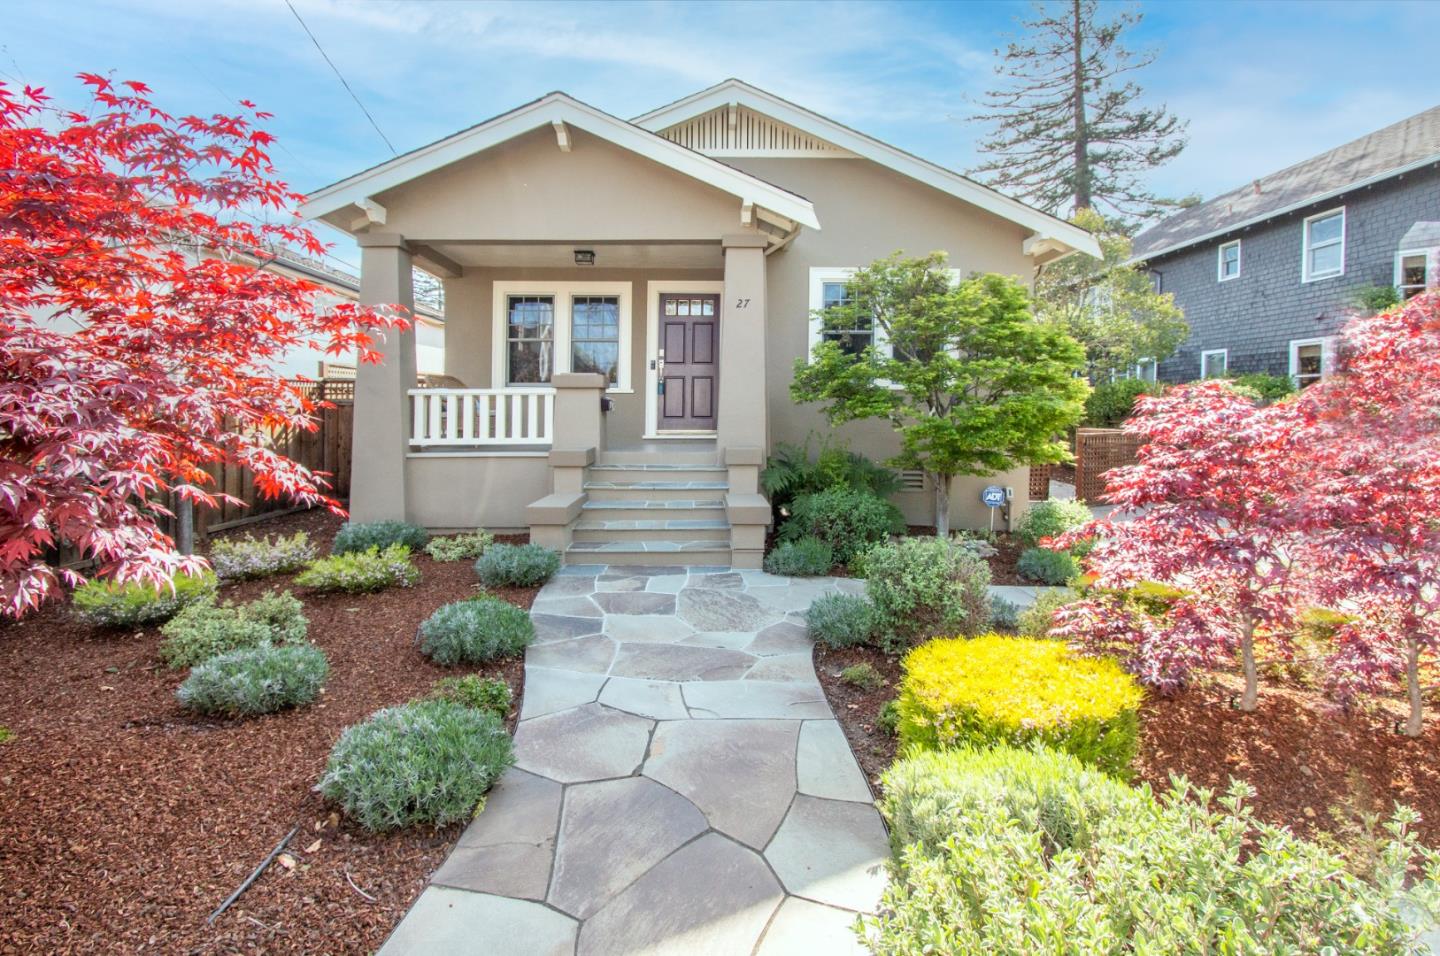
x,y
1229,264
530,345
1324,244
1412,272
1311,360
595,335
1145,370
854,338
1214,363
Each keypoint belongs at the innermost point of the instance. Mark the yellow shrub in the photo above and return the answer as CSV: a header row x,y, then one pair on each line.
x,y
995,689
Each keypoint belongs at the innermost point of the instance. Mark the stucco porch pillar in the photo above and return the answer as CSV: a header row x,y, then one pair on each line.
x,y
742,420
382,403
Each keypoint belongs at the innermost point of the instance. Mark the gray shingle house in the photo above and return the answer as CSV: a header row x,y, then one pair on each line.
x,y
1268,273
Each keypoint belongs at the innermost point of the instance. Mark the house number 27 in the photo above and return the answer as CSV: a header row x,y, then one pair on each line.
x,y
742,303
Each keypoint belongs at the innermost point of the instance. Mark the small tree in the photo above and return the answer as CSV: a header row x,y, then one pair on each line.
x,y
1372,507
1209,511
962,371
1108,306
143,230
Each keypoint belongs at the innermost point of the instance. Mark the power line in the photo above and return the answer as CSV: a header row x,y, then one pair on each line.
x,y
340,76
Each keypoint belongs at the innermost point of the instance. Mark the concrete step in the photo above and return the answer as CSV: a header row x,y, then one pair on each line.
x,y
600,489
683,453
650,552
640,506
675,529
657,471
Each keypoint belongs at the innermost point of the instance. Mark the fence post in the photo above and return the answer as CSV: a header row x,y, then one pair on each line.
x,y
185,526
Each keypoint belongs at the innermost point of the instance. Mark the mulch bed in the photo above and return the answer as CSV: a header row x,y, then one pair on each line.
x,y
127,821
1301,756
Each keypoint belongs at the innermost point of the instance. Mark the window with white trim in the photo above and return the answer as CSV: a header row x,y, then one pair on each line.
x,y
595,335
1311,360
827,289
1324,246
530,339
1412,271
1146,370
854,338
1214,363
1228,264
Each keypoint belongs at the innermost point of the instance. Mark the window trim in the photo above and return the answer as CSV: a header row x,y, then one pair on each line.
x,y
654,288
1427,254
1305,247
1327,356
819,275
564,292
1154,370
1220,275
1206,353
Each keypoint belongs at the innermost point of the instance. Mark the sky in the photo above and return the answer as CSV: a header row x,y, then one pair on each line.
x,y
1262,84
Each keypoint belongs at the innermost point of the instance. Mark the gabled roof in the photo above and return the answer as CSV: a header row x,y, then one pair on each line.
x,y
1404,146
1044,225
552,109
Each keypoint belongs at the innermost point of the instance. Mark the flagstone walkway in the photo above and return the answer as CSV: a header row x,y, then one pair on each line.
x,y
680,785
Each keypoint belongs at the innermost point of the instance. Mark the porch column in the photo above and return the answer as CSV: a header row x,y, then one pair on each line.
x,y
579,428
382,403
741,420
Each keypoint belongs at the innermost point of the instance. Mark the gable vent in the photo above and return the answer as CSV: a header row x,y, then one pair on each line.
x,y
912,480
740,131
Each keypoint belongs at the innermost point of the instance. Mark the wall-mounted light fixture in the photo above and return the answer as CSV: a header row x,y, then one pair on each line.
x,y
584,257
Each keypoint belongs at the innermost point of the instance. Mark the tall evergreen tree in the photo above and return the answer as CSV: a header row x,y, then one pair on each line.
x,y
1069,132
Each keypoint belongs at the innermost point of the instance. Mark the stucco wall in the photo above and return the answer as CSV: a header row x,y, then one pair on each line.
x,y
458,492
1257,314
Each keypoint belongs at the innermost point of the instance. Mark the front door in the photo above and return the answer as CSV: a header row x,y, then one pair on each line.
x,y
689,358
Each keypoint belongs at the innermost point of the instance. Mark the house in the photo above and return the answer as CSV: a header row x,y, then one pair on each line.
x,y
1268,273
625,302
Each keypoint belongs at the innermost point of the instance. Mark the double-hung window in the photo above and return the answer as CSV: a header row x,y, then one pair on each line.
x,y
530,339
1228,266
1324,246
595,335
1311,360
1214,363
1412,272
857,333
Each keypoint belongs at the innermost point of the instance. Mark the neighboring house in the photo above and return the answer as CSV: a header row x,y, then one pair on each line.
x,y
1267,274
663,270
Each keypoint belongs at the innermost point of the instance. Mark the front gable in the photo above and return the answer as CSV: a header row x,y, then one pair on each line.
x,y
736,130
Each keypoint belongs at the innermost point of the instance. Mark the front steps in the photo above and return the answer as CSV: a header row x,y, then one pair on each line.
x,y
650,507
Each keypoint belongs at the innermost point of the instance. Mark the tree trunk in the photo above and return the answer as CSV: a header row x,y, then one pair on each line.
x,y
1251,698
942,505
1416,723
1082,131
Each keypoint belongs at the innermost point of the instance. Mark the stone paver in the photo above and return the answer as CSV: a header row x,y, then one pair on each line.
x,y
680,783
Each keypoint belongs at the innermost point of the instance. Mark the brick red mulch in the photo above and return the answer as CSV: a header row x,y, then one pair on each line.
x,y
1301,756
126,821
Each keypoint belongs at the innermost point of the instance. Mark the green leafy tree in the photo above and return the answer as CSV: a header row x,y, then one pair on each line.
x,y
971,382
1068,130
1109,307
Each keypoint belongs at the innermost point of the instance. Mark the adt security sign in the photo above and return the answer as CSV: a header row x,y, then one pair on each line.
x,y
993,496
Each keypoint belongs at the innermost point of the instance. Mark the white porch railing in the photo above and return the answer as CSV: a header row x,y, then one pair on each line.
x,y
482,416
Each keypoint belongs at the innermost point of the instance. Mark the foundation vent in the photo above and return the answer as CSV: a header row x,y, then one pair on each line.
x,y
912,480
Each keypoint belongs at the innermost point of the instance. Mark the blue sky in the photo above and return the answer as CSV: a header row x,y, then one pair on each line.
x,y
1262,84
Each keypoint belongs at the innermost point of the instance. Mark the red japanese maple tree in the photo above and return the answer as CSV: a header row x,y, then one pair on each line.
x,y
1372,503
1209,514
149,232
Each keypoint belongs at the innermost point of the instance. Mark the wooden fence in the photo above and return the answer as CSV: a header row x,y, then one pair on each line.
x,y
1097,450
1039,482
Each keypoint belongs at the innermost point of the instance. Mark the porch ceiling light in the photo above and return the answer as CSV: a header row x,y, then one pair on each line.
x,y
584,257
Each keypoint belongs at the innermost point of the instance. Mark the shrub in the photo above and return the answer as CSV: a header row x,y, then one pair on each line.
x,y
841,620
204,629
1017,852
427,761
6,735
361,571
354,537
1110,403
849,521
475,630
1004,615
517,565
459,547
888,719
863,676
801,558
923,587
1266,387
108,604
490,694
241,559
1048,567
1034,621
256,680
790,473
1050,517
1009,690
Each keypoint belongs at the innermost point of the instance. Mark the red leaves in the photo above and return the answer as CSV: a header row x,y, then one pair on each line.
x,y
137,230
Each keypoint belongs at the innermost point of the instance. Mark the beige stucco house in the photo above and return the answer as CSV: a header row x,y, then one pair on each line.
x,y
625,302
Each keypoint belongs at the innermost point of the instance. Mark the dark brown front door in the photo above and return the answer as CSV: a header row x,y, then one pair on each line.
x,y
690,352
